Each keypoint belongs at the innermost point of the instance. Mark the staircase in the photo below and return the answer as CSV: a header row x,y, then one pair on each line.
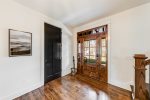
x,y
141,90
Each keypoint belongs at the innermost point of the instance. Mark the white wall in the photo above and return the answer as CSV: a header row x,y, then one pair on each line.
x,y
129,34
19,75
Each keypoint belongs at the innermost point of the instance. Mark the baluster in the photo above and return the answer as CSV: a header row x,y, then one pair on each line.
x,y
140,86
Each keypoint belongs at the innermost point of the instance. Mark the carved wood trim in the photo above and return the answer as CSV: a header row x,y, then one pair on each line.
x,y
141,91
147,62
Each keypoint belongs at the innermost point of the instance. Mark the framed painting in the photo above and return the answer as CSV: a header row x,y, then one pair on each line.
x,y
20,43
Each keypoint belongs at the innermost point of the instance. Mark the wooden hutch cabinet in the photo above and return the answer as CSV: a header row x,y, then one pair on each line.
x,y
92,53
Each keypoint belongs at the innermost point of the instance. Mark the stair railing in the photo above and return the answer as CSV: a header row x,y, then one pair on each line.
x,y
141,91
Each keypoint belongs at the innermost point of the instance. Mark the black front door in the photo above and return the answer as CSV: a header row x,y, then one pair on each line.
x,y
52,52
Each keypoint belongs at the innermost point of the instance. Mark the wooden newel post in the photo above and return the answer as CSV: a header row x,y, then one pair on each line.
x,y
140,86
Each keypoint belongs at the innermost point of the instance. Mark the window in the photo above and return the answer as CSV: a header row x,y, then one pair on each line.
x,y
79,51
103,51
79,47
90,51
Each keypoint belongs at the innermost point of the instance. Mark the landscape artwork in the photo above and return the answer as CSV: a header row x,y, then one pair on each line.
x,y
20,43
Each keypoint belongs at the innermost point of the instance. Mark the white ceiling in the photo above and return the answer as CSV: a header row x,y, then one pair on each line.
x,y
77,12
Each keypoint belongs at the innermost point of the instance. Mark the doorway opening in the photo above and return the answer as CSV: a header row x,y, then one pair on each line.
x,y
92,53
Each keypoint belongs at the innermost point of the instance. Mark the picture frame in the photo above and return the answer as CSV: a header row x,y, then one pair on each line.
x,y
20,43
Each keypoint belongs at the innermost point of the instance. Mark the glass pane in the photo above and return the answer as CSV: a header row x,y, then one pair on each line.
x,y
100,29
92,43
86,59
104,42
103,51
92,59
103,59
93,51
86,43
79,47
93,31
86,51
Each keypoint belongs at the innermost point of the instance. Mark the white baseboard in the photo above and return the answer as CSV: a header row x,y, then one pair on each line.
x,y
31,88
21,92
124,85
66,71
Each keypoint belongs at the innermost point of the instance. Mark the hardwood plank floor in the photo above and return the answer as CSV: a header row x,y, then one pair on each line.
x,y
74,88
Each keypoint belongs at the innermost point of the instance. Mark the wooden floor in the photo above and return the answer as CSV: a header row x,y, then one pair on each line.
x,y
73,88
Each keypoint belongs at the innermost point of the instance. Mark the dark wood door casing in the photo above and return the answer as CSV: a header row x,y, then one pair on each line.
x,y
99,69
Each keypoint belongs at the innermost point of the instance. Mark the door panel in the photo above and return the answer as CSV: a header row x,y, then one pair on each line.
x,y
52,52
56,57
